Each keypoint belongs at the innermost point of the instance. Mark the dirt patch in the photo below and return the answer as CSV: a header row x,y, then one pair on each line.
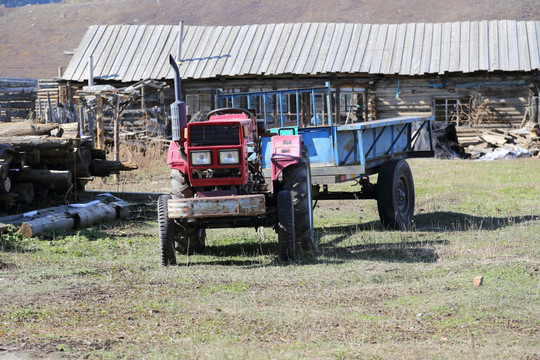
x,y
7,266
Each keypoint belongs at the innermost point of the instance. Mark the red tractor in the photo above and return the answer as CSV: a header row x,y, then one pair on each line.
x,y
217,182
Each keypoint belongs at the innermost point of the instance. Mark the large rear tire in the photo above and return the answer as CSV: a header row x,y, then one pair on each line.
x,y
297,180
286,235
395,195
167,232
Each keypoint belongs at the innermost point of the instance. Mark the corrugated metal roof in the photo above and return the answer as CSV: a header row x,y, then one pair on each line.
x,y
134,52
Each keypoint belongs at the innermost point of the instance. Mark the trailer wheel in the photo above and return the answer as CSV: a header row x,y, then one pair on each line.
x,y
167,232
286,235
395,195
297,179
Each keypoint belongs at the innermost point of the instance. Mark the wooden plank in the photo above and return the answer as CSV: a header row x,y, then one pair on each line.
x,y
465,47
80,57
455,48
349,57
210,55
99,53
299,66
533,36
524,54
406,63
146,55
218,53
161,68
513,46
493,32
313,55
156,58
99,68
474,47
190,66
137,55
435,63
123,40
300,49
244,49
388,51
266,34
343,48
287,49
279,49
417,49
362,50
378,49
226,52
445,47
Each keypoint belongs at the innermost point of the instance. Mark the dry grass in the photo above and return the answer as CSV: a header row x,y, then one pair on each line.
x,y
100,293
151,176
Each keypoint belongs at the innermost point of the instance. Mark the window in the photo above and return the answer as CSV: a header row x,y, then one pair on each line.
x,y
448,110
198,103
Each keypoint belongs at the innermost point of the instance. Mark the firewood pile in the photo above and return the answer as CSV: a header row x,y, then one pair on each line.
x,y
37,160
490,140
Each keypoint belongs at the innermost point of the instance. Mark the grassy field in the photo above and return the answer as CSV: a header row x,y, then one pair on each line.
x,y
370,294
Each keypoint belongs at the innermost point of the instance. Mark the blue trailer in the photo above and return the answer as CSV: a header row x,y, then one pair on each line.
x,y
344,152
265,166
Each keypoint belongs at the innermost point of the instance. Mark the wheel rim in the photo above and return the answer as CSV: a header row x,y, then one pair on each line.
x,y
402,195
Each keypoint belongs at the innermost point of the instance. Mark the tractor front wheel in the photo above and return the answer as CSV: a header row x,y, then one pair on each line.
x,y
167,232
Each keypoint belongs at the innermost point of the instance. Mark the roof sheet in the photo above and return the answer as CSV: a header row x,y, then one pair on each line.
x,y
130,53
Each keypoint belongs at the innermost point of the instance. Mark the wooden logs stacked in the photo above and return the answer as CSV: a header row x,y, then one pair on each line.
x,y
479,142
17,98
34,163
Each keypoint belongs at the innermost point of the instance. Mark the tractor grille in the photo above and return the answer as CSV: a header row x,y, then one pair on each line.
x,y
211,135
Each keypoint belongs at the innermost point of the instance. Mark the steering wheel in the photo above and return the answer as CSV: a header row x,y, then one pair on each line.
x,y
225,111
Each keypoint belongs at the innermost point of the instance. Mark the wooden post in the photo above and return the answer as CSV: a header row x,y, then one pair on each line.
x,y
91,71
142,97
100,143
117,134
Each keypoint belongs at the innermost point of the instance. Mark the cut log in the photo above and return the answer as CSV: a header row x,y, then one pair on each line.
x,y
27,143
57,221
106,168
85,216
26,128
31,157
54,179
25,192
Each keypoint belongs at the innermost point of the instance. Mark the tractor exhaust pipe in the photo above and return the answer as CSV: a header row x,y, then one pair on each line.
x,y
178,108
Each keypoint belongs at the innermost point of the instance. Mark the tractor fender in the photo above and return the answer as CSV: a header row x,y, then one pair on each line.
x,y
176,158
286,151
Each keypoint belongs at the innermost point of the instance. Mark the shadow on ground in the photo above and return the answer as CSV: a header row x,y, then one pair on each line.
x,y
452,221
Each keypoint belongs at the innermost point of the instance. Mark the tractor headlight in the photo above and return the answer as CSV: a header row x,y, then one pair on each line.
x,y
229,157
203,157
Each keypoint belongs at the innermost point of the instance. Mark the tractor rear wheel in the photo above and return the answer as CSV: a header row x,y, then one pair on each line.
x,y
286,235
395,195
167,232
297,179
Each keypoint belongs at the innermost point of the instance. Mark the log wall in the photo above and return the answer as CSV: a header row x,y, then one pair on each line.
x,y
17,97
506,95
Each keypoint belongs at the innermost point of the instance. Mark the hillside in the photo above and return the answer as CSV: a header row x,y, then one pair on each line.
x,y
34,37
